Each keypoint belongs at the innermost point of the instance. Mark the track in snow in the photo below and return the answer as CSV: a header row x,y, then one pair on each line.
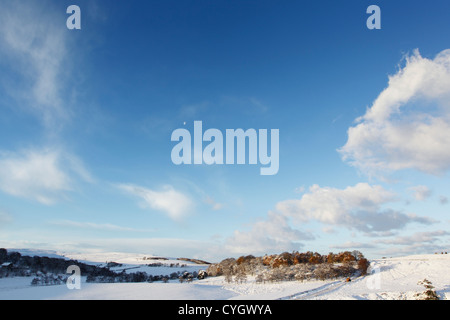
x,y
312,293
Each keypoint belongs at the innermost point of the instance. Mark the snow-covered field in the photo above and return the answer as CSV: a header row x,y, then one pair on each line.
x,y
391,278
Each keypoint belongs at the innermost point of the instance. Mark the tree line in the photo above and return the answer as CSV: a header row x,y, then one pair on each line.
x,y
291,266
21,265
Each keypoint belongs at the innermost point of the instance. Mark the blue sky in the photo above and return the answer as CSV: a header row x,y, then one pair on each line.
x,y
87,115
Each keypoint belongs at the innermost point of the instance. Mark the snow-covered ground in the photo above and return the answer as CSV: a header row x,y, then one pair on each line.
x,y
392,278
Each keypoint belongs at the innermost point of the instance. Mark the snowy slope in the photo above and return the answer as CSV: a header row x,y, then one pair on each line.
x,y
39,253
393,278
138,263
397,278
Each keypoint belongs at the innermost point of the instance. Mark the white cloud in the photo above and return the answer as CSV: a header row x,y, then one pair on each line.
x,y
357,207
32,41
408,125
421,192
170,201
41,175
271,235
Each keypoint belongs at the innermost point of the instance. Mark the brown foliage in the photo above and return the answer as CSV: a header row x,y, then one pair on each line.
x,y
244,259
290,266
363,265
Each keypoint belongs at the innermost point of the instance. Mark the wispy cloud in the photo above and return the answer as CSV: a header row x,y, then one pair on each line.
x,y
213,203
94,226
244,105
35,44
408,125
35,59
43,175
200,193
173,203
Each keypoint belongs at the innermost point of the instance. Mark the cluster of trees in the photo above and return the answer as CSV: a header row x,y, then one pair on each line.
x,y
51,271
114,277
197,261
19,265
291,266
287,259
48,279
171,265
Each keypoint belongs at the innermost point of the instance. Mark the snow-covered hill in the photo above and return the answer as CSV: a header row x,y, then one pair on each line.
x,y
152,265
391,278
